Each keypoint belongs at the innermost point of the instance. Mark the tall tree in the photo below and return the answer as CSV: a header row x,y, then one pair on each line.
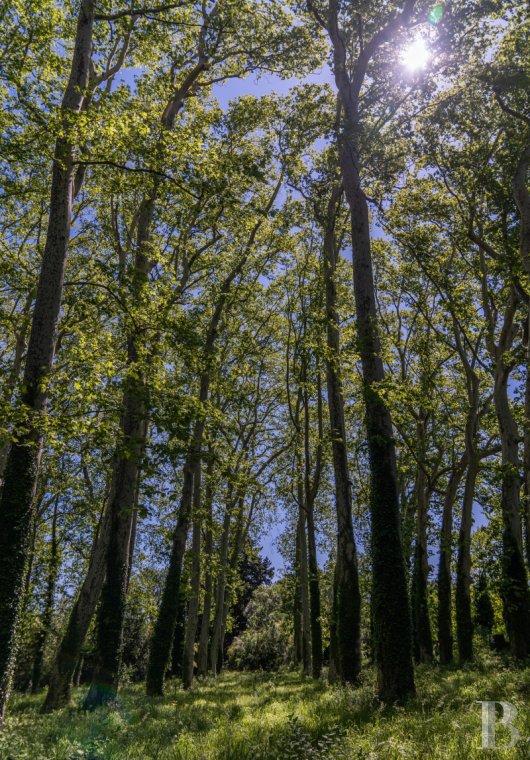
x,y
20,477
391,611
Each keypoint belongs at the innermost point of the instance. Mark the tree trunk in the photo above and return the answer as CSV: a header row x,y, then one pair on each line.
x,y
391,608
310,493
16,368
526,441
521,195
165,623
130,449
314,598
204,636
297,608
193,603
302,572
333,649
47,615
464,620
69,650
78,671
217,633
347,600
445,624
177,648
16,501
111,613
161,643
515,582
392,624
422,637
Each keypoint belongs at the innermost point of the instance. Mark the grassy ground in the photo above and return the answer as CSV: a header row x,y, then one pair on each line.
x,y
262,716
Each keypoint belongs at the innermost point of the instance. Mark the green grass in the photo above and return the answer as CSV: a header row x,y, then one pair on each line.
x,y
260,716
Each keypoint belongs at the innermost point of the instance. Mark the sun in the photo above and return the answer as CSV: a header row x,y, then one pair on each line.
x,y
416,55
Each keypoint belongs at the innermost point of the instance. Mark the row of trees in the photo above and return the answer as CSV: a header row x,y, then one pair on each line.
x,y
181,325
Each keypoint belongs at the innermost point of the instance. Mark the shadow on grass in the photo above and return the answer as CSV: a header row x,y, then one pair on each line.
x,y
261,716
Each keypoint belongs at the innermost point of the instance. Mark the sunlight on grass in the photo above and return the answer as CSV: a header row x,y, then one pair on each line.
x,y
262,716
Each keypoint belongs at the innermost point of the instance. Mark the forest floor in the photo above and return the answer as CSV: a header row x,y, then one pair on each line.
x,y
244,716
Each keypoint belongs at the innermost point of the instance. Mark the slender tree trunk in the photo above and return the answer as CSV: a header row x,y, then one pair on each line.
x,y
521,195
515,582
161,643
392,623
124,485
231,571
162,640
16,368
47,615
78,671
391,608
464,620
314,597
422,637
231,574
69,650
217,633
408,523
111,613
310,493
526,445
347,600
177,648
333,649
20,477
165,623
445,615
208,581
302,571
134,421
297,608
194,600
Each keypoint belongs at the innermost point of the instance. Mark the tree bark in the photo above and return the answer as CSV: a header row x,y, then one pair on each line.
x,y
194,600
47,615
515,581
204,636
16,368
69,650
161,642
130,449
16,501
217,633
346,594
297,608
177,648
464,619
314,597
111,613
303,576
391,608
522,198
421,624
78,671
311,487
526,446
445,615
516,600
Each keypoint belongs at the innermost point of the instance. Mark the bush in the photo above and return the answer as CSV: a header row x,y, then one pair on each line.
x,y
266,642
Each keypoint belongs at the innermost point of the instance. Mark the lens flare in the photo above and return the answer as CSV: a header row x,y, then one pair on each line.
x,y
416,56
